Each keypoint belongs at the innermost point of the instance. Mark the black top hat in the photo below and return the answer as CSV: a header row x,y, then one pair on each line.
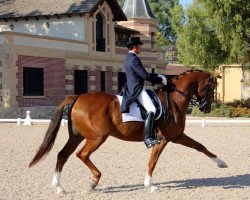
x,y
134,41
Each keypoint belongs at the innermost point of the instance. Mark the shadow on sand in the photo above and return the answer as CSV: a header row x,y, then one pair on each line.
x,y
239,181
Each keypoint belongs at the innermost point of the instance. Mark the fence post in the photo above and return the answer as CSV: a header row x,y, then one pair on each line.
x,y
62,123
18,121
27,120
203,123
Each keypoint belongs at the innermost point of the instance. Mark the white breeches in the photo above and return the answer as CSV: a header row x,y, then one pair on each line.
x,y
146,101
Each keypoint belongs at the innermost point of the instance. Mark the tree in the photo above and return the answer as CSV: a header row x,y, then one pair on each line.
x,y
211,32
121,2
161,9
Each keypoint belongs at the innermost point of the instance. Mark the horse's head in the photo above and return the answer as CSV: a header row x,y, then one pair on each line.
x,y
205,92
188,84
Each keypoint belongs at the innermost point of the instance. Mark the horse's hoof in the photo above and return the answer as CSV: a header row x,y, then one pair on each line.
x,y
222,165
154,188
61,193
92,185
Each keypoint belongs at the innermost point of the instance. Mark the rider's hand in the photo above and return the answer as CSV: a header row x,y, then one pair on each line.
x,y
164,80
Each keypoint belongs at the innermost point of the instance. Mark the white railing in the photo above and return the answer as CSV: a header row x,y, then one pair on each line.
x,y
29,121
202,122
20,121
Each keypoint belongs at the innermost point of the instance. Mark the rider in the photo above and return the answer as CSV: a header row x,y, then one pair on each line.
x,y
136,75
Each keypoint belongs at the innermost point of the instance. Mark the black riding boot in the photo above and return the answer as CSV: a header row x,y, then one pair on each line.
x,y
148,139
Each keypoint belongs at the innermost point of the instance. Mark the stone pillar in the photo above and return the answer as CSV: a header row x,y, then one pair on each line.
x,y
8,73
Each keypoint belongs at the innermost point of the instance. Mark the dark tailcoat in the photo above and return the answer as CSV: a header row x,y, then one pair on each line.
x,y
136,75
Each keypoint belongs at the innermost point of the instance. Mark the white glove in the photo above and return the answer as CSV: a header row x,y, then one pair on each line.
x,y
164,80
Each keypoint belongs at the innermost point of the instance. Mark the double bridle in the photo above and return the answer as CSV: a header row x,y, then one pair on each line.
x,y
202,101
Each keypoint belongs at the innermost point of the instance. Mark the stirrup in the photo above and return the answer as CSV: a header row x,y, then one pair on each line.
x,y
150,142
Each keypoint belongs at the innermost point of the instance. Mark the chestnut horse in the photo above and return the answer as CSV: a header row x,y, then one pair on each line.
x,y
95,116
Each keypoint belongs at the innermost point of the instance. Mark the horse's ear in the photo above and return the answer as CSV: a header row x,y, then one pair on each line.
x,y
216,75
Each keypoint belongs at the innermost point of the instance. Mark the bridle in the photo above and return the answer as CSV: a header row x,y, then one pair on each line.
x,y
202,101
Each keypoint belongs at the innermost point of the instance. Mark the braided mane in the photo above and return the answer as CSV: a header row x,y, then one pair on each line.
x,y
184,73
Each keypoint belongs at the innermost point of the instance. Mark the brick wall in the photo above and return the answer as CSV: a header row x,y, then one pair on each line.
x,y
121,50
94,78
54,80
1,83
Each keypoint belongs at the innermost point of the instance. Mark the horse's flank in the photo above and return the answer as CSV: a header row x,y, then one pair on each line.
x,y
104,118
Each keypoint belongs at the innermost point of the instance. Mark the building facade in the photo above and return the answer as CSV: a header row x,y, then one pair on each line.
x,y
48,52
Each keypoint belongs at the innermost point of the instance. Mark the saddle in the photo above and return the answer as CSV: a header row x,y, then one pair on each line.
x,y
137,112
156,103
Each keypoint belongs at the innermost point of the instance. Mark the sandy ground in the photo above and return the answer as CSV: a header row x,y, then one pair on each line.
x,y
181,173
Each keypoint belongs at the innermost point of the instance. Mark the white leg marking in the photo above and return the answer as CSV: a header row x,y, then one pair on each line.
x,y
220,163
56,179
147,180
56,184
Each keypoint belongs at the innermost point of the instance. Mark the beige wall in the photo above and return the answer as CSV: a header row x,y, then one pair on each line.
x,y
230,86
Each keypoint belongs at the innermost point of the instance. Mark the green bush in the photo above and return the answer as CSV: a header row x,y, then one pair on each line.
x,y
197,112
233,109
239,103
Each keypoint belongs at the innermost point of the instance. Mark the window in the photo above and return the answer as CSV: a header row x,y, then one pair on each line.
x,y
100,40
81,81
122,79
33,81
121,39
103,81
152,40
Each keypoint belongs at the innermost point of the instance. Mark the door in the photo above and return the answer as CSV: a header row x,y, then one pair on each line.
x,y
81,81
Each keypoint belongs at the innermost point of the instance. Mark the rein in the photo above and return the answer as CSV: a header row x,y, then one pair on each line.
x,y
203,100
193,101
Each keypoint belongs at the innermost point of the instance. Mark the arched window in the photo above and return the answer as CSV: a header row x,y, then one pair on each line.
x,y
100,40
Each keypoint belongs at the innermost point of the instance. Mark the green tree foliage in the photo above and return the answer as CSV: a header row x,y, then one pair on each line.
x,y
212,32
161,9
161,42
121,2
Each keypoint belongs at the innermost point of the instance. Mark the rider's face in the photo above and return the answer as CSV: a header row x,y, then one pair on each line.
x,y
137,49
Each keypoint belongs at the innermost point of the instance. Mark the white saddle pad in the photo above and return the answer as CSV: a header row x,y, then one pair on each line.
x,y
134,112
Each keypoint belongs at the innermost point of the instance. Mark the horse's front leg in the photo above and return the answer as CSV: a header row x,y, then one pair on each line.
x,y
189,142
155,154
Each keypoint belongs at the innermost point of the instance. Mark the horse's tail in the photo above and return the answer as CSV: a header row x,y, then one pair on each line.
x,y
52,130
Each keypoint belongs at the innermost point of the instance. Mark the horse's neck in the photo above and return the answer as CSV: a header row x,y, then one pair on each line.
x,y
185,87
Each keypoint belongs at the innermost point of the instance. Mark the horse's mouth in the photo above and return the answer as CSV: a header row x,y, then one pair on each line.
x,y
205,109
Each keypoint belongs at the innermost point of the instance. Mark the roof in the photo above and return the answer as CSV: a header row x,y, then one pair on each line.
x,y
177,69
35,8
137,9
123,29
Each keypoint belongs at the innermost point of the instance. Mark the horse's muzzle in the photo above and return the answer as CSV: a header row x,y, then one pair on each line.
x,y
204,106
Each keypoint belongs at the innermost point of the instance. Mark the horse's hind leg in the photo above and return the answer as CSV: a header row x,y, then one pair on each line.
x,y
89,147
62,157
189,142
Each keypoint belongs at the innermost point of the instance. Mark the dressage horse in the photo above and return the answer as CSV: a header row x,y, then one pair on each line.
x,y
95,116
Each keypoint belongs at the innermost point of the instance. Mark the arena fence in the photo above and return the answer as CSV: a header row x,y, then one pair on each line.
x,y
200,122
